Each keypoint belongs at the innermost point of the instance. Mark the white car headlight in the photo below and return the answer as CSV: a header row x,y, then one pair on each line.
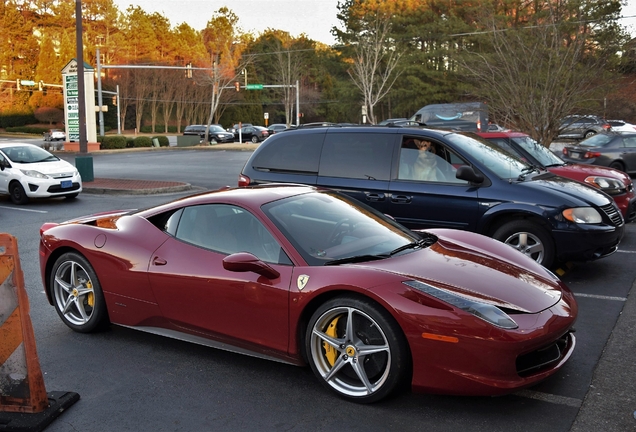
x,y
34,174
487,312
582,215
610,186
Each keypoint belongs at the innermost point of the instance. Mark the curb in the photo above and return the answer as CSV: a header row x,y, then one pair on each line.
x,y
147,191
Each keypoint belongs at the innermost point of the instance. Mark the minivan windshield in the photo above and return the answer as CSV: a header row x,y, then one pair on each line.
x,y
539,152
489,155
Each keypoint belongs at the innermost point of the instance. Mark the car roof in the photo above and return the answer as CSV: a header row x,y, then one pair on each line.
x,y
501,134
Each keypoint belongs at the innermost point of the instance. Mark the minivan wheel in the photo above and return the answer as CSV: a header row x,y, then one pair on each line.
x,y
18,196
529,239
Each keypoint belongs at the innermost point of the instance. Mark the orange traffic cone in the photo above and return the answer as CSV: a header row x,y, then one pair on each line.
x,y
22,387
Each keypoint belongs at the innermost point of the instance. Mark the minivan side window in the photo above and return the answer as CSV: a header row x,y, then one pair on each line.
x,y
422,159
357,155
290,153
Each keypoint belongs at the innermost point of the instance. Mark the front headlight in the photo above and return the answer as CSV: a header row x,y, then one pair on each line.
x,y
582,215
35,174
487,312
610,186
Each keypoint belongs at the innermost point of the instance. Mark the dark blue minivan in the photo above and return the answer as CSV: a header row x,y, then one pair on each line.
x,y
428,178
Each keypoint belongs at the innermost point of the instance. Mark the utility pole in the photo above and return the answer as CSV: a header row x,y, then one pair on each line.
x,y
83,162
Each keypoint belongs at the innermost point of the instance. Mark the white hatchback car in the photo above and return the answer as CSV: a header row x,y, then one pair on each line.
x,y
28,171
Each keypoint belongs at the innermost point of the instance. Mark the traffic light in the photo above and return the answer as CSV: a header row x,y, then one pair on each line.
x,y
237,85
17,82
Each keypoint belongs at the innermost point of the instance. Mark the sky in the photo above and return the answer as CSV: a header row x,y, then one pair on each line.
x,y
315,18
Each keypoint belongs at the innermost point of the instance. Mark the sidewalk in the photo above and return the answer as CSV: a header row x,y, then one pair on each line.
x,y
133,187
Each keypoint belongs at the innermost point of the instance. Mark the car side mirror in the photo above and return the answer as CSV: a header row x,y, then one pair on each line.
x,y
466,172
247,262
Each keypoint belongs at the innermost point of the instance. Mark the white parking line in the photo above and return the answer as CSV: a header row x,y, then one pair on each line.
x,y
600,297
546,397
623,251
23,209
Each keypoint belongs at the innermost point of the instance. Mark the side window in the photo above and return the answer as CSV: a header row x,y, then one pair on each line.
x,y
229,229
428,161
296,153
629,142
364,156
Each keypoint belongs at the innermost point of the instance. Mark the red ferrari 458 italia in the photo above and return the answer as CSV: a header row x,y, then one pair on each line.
x,y
301,275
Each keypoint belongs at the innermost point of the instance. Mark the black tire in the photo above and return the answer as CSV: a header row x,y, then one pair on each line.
x,y
254,139
77,295
528,238
589,134
18,195
328,346
617,165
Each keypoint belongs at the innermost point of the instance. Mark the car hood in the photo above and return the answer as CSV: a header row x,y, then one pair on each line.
x,y
49,168
579,171
481,268
569,192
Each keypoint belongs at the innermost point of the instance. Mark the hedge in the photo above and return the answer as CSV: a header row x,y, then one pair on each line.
x,y
27,129
112,142
158,128
142,141
8,119
163,140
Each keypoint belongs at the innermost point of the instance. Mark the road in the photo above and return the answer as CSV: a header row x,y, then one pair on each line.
x,y
129,380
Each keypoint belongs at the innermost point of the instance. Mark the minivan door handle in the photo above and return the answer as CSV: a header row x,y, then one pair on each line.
x,y
401,199
371,196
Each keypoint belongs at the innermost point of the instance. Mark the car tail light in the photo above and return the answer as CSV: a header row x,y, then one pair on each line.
x,y
244,181
591,155
607,126
565,151
478,125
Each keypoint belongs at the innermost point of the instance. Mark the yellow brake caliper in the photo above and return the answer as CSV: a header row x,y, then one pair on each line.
x,y
91,296
330,352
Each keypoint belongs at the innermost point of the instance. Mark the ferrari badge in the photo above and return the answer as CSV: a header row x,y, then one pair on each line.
x,y
302,281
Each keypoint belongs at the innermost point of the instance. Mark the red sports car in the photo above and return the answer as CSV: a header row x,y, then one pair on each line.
x,y
301,275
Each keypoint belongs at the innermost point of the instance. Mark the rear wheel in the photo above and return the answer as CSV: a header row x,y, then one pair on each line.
x,y
254,139
529,239
617,165
589,134
356,349
18,195
77,294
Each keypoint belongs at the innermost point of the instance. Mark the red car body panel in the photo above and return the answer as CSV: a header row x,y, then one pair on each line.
x,y
155,282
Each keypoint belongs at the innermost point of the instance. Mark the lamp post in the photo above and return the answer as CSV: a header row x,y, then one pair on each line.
x,y
83,162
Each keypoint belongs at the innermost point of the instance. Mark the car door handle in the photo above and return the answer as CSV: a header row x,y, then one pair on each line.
x,y
374,196
159,261
401,199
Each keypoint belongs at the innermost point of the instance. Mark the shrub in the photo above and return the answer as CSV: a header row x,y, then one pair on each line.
x,y
163,140
146,129
28,129
130,142
9,119
142,141
112,142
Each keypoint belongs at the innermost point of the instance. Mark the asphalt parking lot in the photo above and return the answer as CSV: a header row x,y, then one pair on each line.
x,y
134,381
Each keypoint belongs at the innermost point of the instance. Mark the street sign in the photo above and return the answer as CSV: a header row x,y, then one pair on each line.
x,y
265,116
30,83
254,87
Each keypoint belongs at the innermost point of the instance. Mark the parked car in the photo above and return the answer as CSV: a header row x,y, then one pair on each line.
x,y
391,120
476,187
234,129
580,127
216,133
194,130
493,127
613,182
28,171
276,127
302,276
252,133
614,150
54,135
622,126
465,116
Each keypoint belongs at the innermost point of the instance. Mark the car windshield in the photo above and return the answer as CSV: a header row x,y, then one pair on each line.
x,y
504,165
326,227
539,152
28,154
214,128
598,140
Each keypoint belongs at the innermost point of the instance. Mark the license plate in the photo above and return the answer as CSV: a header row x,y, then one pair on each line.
x,y
575,155
66,184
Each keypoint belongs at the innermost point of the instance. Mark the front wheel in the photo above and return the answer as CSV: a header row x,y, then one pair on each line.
x,y
77,294
356,349
254,139
529,239
18,195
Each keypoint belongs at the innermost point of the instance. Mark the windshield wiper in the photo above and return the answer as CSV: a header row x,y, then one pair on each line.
x,y
356,259
528,170
422,243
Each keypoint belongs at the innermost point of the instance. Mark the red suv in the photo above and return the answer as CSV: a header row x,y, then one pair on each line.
x,y
613,182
